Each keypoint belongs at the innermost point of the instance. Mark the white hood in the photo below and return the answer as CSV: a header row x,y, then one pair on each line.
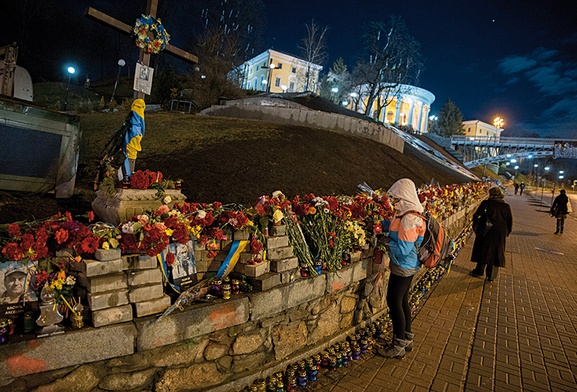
x,y
405,190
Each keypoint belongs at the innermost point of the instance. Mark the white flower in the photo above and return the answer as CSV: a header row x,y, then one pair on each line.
x,y
127,228
277,194
167,199
201,214
70,280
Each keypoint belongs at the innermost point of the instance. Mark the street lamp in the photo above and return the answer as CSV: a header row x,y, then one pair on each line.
x,y
121,63
271,68
64,105
498,122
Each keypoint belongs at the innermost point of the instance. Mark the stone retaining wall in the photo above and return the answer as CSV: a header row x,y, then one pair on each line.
x,y
277,110
219,346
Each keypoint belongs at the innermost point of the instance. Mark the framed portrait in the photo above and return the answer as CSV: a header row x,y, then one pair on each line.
x,y
16,282
183,271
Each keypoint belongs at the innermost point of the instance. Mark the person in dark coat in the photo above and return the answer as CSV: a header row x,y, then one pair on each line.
x,y
489,250
559,210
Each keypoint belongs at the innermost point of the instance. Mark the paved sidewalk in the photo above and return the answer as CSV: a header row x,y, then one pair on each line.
x,y
518,333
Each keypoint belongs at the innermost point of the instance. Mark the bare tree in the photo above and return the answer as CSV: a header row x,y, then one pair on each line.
x,y
392,59
217,51
313,49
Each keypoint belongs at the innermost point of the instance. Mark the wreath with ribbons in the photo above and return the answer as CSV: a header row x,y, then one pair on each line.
x,y
150,35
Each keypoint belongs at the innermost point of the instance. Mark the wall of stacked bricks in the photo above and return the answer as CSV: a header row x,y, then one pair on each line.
x,y
223,344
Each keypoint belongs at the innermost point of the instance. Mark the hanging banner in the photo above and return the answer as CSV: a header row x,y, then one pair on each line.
x,y
565,149
143,78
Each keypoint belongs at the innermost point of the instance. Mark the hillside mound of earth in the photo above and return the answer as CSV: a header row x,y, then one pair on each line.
x,y
235,161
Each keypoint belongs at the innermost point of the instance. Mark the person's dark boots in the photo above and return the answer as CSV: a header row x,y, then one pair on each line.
x,y
396,350
409,339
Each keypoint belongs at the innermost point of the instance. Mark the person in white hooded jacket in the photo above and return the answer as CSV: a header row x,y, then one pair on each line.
x,y
406,232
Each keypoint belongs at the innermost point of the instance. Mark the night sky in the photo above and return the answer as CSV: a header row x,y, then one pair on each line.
x,y
511,58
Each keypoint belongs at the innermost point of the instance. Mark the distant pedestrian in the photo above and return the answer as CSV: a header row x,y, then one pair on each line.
x,y
521,187
559,210
489,247
516,185
406,233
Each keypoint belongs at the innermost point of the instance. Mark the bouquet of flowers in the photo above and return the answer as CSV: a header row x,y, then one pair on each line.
x,y
57,282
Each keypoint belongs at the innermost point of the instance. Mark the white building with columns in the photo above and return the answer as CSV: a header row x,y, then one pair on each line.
x,y
408,106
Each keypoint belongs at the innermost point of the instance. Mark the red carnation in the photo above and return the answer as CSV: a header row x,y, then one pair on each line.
x,y
12,251
61,236
13,230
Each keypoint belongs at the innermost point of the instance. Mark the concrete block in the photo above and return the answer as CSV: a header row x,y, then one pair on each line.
x,y
66,350
144,277
118,314
265,282
198,320
355,256
284,264
289,276
93,268
277,242
146,293
66,252
280,253
241,235
102,283
213,265
107,254
245,257
108,299
277,230
140,262
253,270
201,265
346,276
153,306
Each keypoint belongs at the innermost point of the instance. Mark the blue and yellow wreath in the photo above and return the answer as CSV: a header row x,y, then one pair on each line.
x,y
150,35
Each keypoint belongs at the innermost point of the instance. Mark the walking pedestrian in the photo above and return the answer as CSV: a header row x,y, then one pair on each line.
x,y
516,185
489,246
521,188
406,231
559,210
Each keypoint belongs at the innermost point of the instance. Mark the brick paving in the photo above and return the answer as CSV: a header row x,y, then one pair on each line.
x,y
518,333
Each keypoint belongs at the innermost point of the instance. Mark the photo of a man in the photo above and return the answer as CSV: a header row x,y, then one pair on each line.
x,y
15,285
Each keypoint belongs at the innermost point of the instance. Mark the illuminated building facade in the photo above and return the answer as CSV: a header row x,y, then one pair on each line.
x,y
278,72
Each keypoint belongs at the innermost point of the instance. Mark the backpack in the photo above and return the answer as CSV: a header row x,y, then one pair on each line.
x,y
435,245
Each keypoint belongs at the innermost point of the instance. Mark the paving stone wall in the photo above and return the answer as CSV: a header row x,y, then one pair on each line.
x,y
219,346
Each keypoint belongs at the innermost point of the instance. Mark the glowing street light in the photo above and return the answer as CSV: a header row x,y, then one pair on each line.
x,y
498,122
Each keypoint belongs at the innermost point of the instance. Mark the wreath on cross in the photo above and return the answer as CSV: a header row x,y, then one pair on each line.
x,y
150,35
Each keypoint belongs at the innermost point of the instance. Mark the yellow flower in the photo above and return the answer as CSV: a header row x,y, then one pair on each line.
x,y
196,230
105,246
277,216
169,232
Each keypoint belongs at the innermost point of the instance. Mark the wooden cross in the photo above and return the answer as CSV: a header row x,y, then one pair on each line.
x,y
144,58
